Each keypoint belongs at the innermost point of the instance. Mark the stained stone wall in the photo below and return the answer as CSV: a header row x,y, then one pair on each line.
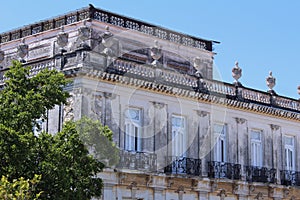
x,y
114,68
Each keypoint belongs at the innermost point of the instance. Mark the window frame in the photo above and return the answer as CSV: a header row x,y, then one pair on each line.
x,y
256,145
132,130
220,143
289,149
179,145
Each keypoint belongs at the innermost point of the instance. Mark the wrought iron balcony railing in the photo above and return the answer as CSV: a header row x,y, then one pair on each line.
x,y
290,178
260,174
183,165
138,161
224,170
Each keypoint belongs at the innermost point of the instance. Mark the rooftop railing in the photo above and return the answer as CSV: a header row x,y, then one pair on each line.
x,y
109,18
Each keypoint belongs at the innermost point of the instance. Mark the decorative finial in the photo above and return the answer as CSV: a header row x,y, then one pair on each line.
x,y
236,73
156,53
271,81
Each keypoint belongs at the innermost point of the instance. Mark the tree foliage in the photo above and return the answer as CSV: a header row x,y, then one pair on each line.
x,y
98,139
19,189
62,160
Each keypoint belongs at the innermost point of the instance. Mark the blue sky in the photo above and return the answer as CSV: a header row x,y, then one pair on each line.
x,y
262,35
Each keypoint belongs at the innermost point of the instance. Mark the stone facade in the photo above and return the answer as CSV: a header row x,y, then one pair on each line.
x,y
181,134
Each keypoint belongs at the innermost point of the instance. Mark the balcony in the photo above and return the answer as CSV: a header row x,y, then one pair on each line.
x,y
260,174
224,170
290,178
138,161
183,166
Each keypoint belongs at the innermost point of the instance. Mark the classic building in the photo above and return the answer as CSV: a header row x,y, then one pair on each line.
x,y
181,134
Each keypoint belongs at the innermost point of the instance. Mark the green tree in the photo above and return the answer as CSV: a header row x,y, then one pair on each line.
x,y
99,140
20,189
67,169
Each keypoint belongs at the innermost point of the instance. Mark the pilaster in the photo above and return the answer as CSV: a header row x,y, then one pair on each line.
x,y
276,150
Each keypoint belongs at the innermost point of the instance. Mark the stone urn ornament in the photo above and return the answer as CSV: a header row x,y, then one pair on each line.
x,y
84,34
107,41
62,39
271,81
156,53
22,50
236,73
199,66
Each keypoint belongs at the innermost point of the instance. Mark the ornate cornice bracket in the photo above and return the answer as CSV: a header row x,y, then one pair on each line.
x,y
222,194
240,120
259,196
109,95
274,127
202,113
158,105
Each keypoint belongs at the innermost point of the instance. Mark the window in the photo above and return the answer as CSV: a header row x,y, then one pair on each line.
x,y
220,142
133,129
38,126
289,149
178,135
256,148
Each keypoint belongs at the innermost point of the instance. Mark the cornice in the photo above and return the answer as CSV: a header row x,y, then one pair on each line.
x,y
192,95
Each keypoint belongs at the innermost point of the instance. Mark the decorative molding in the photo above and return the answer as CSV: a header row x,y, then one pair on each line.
x,y
222,194
286,192
213,186
274,127
240,120
109,95
194,183
122,177
149,180
251,188
202,113
170,182
259,196
158,105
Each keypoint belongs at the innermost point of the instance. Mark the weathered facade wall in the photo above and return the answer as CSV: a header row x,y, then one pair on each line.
x,y
194,136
